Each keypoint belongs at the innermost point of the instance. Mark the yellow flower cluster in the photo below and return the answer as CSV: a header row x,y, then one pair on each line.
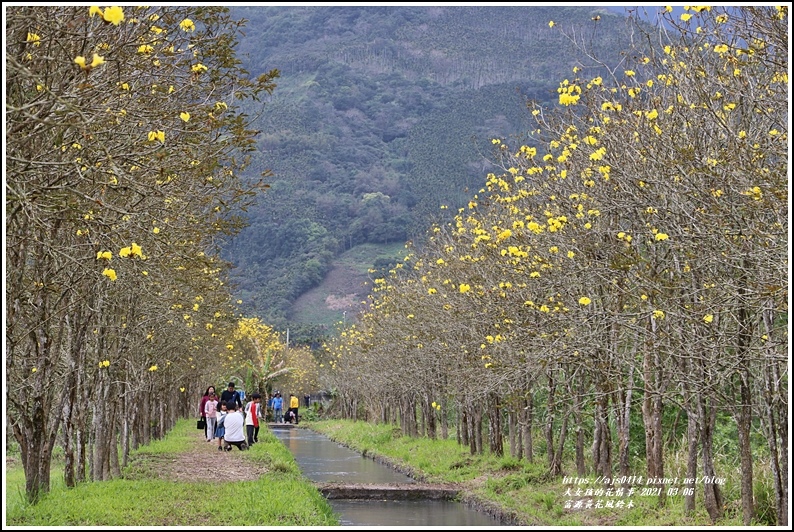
x,y
113,14
133,250
187,25
95,62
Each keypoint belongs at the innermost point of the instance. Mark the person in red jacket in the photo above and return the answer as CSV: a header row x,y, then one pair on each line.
x,y
203,403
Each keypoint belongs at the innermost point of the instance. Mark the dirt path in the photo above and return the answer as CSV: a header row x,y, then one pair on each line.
x,y
203,462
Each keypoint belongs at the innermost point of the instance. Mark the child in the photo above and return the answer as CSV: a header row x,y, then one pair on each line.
x,y
252,415
220,430
210,412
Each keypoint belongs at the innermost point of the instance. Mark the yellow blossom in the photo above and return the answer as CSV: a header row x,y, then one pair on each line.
x,y
198,68
109,273
125,252
97,60
661,236
187,25
464,288
658,314
153,368
569,99
107,255
34,39
80,60
94,10
185,116
708,318
114,15
686,16
551,23
584,301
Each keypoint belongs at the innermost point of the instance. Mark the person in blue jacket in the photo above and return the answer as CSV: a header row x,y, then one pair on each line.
x,y
277,404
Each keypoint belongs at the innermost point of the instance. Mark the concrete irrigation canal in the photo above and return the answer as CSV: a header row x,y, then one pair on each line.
x,y
364,492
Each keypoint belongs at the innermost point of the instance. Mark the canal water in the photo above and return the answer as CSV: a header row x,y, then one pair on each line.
x,y
323,460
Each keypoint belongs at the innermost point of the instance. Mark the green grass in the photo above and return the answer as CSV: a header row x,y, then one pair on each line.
x,y
519,487
350,270
281,497
362,257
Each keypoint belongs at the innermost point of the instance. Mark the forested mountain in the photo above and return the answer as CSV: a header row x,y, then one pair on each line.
x,y
384,114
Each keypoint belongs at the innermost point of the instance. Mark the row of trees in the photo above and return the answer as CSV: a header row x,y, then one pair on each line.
x,y
631,260
124,139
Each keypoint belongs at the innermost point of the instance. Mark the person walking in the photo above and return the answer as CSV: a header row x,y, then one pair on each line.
x,y
252,414
210,411
203,403
229,394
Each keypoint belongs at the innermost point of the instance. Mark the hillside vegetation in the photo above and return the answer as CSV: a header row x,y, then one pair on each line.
x,y
381,116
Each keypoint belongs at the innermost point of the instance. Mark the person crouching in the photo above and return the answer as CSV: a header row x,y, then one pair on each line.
x,y
233,425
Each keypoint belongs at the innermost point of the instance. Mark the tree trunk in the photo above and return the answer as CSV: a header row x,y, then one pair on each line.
x,y
745,415
444,422
526,428
692,458
602,442
579,429
652,407
712,496
555,468
776,415
495,426
477,423
512,433
622,402
550,423
462,428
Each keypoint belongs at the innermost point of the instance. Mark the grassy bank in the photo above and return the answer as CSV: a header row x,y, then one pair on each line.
x,y
160,487
519,490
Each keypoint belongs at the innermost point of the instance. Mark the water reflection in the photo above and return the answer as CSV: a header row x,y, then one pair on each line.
x,y
323,460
